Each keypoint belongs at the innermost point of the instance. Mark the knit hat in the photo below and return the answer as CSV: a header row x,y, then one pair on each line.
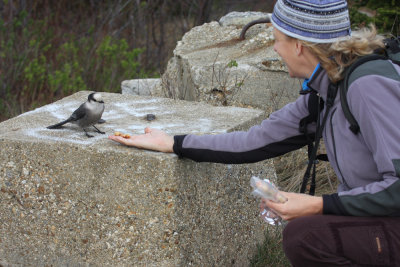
x,y
318,21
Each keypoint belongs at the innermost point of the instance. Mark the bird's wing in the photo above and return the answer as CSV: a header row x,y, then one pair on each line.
x,y
79,113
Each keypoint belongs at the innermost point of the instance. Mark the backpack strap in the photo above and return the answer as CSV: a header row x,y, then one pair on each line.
x,y
332,91
313,109
393,49
367,65
315,106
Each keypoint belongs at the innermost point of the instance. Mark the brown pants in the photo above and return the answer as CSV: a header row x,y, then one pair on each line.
x,y
327,240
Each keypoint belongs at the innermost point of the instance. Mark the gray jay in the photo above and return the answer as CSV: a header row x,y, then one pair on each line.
x,y
88,114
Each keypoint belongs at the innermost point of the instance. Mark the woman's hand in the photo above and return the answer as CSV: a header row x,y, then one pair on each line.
x,y
152,139
298,205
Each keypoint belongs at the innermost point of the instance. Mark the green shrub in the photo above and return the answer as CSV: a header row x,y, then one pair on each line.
x,y
40,63
386,19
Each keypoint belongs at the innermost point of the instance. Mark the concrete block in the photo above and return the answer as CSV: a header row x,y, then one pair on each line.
x,y
144,87
69,200
210,64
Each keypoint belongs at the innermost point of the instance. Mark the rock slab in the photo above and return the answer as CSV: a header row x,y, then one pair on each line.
x,y
69,200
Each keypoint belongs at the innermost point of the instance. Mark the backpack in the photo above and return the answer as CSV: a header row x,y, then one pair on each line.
x,y
377,64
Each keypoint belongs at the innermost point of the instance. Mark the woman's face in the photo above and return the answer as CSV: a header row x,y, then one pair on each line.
x,y
286,49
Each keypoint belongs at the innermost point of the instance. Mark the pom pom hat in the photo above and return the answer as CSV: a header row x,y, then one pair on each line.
x,y
318,21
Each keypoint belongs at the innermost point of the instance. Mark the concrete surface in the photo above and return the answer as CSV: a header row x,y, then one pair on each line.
x,y
143,87
67,200
212,65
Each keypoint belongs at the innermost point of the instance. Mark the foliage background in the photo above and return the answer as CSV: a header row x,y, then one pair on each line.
x,y
385,14
50,49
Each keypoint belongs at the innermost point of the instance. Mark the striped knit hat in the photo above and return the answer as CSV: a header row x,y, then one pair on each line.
x,y
318,21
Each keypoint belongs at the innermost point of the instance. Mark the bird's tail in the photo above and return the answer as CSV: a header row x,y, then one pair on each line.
x,y
58,125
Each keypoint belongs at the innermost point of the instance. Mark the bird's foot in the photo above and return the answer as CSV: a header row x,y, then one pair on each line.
x,y
98,130
88,135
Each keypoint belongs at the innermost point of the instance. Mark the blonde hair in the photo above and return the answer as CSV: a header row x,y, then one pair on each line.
x,y
335,57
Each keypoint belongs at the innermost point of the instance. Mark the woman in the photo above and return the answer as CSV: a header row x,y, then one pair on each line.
x,y
359,224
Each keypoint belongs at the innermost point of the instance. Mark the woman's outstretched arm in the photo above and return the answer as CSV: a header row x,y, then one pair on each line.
x,y
152,139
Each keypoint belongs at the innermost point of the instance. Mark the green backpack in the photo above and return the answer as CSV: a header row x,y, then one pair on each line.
x,y
376,64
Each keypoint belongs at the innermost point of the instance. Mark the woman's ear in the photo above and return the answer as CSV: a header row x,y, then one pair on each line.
x,y
298,47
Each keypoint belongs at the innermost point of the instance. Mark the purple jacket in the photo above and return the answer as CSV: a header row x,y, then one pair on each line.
x,y
367,164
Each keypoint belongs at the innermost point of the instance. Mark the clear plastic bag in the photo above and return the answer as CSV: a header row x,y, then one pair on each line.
x,y
270,217
266,189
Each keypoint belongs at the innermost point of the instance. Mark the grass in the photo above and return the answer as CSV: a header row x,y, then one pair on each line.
x,y
270,253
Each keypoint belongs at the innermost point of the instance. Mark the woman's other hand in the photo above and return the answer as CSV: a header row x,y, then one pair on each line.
x,y
298,205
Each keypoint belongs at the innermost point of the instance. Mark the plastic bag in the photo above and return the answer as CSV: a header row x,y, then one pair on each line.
x,y
266,189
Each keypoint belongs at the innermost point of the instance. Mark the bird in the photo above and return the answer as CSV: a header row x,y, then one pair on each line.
x,y
88,114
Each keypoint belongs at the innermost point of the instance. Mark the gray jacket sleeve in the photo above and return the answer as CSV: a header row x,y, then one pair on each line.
x,y
275,136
